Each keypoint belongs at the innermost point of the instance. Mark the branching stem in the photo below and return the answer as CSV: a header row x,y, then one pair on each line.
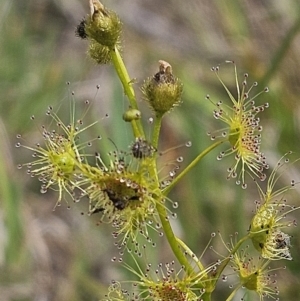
x,y
175,246
192,164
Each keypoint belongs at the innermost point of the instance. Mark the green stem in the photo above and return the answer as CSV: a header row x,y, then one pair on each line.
x,y
156,131
191,254
175,246
128,89
124,77
191,165
162,212
137,129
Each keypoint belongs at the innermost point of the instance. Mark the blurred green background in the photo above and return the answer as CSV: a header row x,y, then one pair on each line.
x,y
62,255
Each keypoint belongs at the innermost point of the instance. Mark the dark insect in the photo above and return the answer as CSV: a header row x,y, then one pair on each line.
x,y
282,242
119,202
80,30
142,148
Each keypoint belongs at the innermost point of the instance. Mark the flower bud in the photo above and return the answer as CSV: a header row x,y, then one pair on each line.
x,y
103,25
131,114
163,91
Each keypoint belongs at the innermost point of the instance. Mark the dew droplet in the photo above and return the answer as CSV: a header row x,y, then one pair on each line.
x,y
172,174
224,278
43,190
175,205
158,226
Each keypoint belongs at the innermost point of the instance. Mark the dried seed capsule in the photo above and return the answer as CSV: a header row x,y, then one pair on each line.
x,y
163,90
103,25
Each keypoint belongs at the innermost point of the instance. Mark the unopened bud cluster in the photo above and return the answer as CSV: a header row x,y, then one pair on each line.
x,y
103,30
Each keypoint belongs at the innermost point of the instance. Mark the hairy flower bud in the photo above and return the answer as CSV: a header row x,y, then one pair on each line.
x,y
163,90
103,25
99,53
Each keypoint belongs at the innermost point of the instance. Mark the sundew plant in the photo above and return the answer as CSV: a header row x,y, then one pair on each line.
x,y
132,191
